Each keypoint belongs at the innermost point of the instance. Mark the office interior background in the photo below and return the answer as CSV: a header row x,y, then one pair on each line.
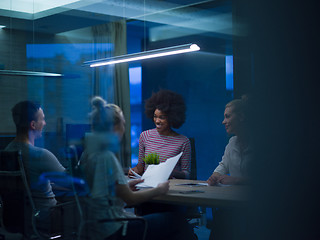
x,y
271,47
60,38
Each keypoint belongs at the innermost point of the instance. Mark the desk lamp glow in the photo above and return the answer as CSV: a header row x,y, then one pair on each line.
x,y
144,55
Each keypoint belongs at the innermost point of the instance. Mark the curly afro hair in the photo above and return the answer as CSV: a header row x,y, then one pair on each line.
x,y
170,103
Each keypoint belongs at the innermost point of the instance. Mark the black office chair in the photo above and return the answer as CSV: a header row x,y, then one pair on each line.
x,y
71,154
195,215
84,234
10,220
18,211
193,172
80,191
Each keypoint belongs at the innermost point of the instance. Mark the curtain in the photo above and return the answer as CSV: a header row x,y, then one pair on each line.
x,y
103,76
112,82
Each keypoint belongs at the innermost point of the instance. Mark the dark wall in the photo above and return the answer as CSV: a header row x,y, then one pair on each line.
x,y
200,78
64,100
5,140
284,44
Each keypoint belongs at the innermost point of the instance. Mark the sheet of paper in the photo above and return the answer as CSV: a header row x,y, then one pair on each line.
x,y
156,174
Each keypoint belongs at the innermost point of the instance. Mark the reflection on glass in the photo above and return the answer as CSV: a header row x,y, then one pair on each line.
x,y
135,102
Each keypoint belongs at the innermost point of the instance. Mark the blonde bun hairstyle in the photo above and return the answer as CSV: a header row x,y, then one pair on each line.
x,y
98,102
105,115
101,118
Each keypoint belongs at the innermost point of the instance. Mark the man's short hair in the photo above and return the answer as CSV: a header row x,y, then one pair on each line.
x,y
23,113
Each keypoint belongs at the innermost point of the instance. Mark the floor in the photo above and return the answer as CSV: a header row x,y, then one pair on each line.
x,y
202,233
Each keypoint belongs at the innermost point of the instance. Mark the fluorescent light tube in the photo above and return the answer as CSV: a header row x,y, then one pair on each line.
x,y
29,73
144,55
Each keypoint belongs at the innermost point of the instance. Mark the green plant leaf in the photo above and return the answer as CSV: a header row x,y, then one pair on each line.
x,y
152,158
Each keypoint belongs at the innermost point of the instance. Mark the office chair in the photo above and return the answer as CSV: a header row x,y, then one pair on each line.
x,y
75,134
71,153
80,191
16,200
195,215
18,211
193,172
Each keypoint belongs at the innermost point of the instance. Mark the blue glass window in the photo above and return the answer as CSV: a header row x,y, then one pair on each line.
x,y
229,73
136,114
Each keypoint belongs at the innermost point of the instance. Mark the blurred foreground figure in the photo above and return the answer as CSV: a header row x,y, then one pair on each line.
x,y
110,189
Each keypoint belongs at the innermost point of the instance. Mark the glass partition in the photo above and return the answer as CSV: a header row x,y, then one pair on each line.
x,y
58,36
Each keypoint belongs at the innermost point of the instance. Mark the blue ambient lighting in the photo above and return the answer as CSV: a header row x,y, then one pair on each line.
x,y
229,73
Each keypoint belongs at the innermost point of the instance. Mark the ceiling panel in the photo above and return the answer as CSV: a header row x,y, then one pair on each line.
x,y
172,16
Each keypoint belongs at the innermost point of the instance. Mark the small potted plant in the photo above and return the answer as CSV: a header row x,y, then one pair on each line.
x,y
152,158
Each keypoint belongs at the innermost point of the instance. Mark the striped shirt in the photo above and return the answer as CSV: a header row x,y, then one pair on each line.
x,y
151,141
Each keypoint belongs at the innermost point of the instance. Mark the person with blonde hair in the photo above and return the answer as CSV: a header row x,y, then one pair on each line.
x,y
110,190
233,169
228,223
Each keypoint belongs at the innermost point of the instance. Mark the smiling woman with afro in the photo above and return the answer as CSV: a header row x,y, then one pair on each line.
x,y
167,109
170,103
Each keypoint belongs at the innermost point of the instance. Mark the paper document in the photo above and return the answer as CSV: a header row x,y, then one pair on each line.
x,y
160,173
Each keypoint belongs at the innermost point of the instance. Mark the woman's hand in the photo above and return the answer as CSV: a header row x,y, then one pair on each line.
x,y
229,180
132,184
130,197
214,179
178,174
137,169
163,187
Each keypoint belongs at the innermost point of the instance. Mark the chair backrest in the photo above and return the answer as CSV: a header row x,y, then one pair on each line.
x,y
81,193
75,134
5,140
72,161
193,172
15,193
17,208
72,187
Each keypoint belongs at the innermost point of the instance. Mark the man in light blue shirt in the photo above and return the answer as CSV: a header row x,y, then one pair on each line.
x,y
30,120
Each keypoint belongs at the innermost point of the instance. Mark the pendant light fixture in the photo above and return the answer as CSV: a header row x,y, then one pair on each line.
x,y
28,73
144,55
